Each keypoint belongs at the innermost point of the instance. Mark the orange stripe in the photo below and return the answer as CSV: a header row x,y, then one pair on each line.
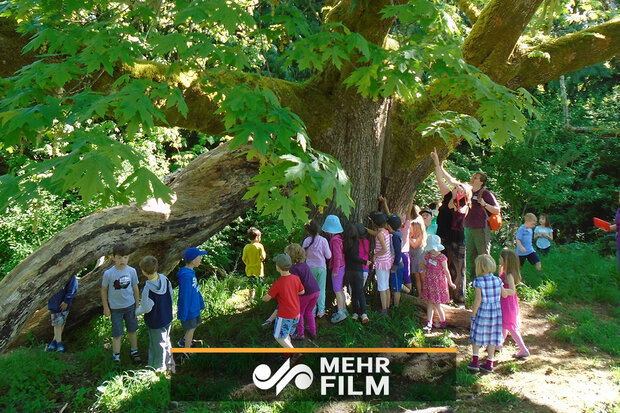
x,y
312,350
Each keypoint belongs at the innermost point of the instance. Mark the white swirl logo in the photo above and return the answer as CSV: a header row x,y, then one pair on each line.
x,y
301,373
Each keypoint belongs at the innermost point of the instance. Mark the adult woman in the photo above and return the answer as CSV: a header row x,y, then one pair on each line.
x,y
477,231
454,207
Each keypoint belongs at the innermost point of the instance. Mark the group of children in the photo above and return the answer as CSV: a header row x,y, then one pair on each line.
x,y
123,304
530,234
402,247
495,311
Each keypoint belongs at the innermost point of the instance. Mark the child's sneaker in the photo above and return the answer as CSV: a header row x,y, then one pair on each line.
x,y
320,314
195,343
487,367
365,319
116,357
51,346
135,357
354,317
442,325
60,348
338,317
521,355
428,327
473,366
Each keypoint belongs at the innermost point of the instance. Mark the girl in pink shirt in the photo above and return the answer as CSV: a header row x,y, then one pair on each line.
x,y
333,228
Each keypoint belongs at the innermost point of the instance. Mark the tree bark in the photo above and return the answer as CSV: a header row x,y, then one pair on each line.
x,y
208,197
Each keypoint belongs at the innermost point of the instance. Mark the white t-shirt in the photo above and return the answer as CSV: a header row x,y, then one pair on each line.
x,y
120,286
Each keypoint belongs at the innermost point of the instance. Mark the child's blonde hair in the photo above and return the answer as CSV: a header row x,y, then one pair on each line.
x,y
485,264
296,252
530,217
511,263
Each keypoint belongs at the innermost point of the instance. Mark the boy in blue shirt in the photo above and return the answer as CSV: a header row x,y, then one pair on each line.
x,y
157,309
59,306
189,302
525,247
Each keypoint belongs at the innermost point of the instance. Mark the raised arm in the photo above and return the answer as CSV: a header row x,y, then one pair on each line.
x,y
384,204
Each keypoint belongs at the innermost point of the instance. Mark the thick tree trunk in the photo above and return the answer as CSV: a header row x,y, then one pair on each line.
x,y
208,197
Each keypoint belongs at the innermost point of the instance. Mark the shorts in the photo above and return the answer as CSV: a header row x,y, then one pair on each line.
x,y
532,258
338,280
191,323
383,280
396,280
129,315
59,319
284,327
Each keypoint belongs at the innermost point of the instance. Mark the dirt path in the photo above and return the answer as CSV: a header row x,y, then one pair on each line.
x,y
555,378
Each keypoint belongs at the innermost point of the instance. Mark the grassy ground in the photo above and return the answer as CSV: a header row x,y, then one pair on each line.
x,y
576,294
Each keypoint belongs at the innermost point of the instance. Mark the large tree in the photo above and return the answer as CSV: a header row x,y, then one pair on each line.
x,y
382,83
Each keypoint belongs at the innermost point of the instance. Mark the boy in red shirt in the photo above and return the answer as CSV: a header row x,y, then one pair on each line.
x,y
286,290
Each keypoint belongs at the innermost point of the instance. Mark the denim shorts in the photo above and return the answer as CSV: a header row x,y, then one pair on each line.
x,y
129,315
191,323
283,327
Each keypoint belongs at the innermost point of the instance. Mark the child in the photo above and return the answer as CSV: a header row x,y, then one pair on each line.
x,y
308,300
120,298
189,301
364,250
317,252
511,276
333,227
486,321
253,257
543,234
525,249
417,242
396,272
436,281
383,257
405,228
355,272
427,216
286,290
59,306
157,309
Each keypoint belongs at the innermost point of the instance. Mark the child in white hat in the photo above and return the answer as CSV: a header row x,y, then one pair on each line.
x,y
436,280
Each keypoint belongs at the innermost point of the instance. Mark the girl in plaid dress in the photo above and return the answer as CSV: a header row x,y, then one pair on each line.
x,y
486,322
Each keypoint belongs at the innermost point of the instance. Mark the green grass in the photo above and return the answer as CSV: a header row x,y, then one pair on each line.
x,y
501,395
134,390
574,273
586,331
572,281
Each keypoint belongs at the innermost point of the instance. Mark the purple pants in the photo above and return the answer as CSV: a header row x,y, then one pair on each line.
x,y
306,311
406,268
